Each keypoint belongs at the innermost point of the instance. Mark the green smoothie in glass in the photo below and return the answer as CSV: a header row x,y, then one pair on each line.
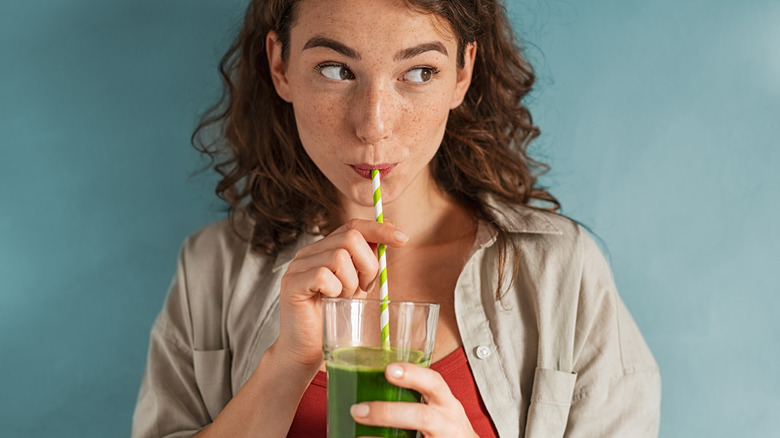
x,y
357,374
357,350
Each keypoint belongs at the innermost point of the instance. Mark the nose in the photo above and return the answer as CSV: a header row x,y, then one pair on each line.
x,y
372,113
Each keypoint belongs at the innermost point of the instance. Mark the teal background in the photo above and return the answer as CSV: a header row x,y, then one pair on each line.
x,y
661,121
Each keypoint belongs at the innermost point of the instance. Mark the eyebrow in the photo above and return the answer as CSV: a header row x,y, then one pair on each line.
x,y
422,48
349,52
333,45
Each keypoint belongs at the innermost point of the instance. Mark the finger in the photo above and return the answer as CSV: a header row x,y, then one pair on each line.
x,y
357,236
363,256
403,415
360,230
376,232
361,253
339,261
426,381
307,283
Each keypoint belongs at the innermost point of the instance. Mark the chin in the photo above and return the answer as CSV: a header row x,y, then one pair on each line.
x,y
358,196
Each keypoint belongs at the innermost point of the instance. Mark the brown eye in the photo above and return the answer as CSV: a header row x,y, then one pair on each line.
x,y
345,74
420,74
336,72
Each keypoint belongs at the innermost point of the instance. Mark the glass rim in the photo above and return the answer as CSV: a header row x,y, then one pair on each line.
x,y
378,301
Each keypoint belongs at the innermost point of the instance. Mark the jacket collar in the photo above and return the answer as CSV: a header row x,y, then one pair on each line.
x,y
521,218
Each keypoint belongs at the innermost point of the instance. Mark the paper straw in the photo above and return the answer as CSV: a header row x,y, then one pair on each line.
x,y
384,316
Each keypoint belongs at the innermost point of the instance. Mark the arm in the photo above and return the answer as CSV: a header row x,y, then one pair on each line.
x,y
618,387
170,403
595,376
625,403
342,264
173,401
267,401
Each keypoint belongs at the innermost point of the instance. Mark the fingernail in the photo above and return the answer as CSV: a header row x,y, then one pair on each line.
x,y
395,371
397,235
359,410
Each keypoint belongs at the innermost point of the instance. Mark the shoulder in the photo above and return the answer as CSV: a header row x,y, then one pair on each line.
x,y
219,246
221,252
213,258
213,262
547,234
561,248
559,269
219,237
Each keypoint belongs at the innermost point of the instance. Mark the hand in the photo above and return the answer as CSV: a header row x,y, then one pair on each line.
x,y
441,415
343,264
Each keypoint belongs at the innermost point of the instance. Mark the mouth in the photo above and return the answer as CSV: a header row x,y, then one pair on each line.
x,y
364,169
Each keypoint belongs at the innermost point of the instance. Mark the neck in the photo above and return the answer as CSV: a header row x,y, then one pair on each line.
x,y
424,212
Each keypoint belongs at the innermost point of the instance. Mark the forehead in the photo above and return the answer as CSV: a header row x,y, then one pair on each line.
x,y
368,23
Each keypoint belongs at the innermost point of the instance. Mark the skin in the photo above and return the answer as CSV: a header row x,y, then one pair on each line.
x,y
360,95
384,113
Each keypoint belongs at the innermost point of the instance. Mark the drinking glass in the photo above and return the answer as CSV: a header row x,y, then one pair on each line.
x,y
355,357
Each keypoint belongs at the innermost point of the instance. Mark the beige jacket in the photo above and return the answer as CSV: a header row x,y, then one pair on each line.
x,y
558,356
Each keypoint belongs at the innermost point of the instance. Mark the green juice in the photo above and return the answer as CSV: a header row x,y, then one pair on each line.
x,y
357,374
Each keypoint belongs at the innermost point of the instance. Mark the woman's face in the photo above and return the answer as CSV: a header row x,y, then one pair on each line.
x,y
371,83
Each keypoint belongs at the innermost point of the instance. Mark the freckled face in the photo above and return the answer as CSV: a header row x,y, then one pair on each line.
x,y
371,83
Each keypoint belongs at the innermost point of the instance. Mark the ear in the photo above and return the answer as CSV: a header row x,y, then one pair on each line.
x,y
273,49
464,74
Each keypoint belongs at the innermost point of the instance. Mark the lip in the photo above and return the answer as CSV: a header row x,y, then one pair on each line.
x,y
364,169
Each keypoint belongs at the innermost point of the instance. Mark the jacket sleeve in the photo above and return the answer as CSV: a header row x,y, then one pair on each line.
x,y
169,403
617,392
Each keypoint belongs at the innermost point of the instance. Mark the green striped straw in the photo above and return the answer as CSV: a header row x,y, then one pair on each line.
x,y
384,316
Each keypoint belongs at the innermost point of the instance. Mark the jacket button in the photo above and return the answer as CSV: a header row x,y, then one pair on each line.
x,y
483,352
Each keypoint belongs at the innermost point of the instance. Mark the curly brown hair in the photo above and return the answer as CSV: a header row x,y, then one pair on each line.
x,y
267,175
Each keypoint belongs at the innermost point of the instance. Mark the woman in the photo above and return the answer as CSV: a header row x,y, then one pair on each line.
x,y
318,93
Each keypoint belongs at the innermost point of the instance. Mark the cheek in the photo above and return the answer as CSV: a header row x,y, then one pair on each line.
x,y
427,118
316,119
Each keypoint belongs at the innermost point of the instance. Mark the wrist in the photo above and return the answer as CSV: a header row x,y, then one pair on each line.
x,y
287,359
277,385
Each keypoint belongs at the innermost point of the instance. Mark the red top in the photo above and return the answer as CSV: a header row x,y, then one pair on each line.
x,y
310,418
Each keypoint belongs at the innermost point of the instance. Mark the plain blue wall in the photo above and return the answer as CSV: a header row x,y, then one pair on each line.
x,y
660,119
